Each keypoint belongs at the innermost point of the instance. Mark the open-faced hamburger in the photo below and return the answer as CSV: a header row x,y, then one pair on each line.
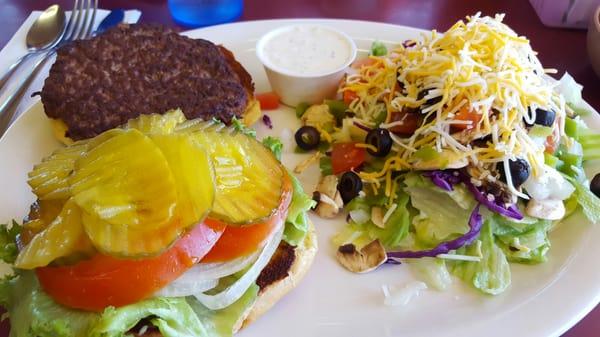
x,y
162,227
131,70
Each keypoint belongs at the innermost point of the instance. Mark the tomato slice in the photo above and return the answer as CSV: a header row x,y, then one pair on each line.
x,y
466,114
346,156
104,281
268,100
550,144
240,241
349,97
410,122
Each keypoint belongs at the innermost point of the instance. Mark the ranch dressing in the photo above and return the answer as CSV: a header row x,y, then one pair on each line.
x,y
307,50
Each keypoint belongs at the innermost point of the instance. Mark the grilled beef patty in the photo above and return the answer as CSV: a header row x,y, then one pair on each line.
x,y
101,83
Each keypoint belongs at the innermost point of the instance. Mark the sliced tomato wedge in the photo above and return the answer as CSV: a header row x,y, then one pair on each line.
x,y
349,97
268,100
104,281
346,156
410,122
466,114
240,241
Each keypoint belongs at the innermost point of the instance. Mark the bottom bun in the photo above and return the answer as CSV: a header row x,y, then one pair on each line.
x,y
268,296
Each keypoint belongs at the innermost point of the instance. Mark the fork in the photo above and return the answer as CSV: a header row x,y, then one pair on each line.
x,y
80,26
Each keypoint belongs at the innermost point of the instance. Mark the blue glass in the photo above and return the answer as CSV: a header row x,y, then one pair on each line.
x,y
197,13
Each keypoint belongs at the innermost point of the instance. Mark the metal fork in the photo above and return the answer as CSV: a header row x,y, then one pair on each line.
x,y
80,26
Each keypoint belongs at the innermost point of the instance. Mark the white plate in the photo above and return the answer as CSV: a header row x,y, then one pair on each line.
x,y
544,300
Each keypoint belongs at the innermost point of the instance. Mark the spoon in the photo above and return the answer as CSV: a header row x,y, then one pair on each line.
x,y
45,32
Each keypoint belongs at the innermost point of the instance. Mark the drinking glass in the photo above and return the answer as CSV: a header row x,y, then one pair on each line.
x,y
198,13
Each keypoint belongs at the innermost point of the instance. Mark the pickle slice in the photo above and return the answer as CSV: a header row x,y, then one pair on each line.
x,y
157,124
249,179
125,181
49,179
62,237
193,174
125,188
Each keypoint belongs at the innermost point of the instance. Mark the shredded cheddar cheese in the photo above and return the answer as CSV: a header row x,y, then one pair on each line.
x,y
480,66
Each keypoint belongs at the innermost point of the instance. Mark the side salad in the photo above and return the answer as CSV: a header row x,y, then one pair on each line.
x,y
455,152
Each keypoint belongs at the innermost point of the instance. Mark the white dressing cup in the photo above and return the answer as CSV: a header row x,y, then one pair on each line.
x,y
305,62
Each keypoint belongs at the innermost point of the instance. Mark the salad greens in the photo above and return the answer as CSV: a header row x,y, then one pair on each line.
x,y
435,207
491,274
8,242
275,145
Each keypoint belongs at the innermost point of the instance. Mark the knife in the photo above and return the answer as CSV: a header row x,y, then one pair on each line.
x,y
9,107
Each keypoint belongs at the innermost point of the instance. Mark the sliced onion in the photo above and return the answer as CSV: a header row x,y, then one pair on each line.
x,y
475,223
205,276
213,271
185,286
237,289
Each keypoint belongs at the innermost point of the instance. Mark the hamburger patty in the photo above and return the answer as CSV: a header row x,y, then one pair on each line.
x,y
99,84
278,267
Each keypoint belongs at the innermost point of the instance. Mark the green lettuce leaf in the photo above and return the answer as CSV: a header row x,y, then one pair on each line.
x,y
8,242
173,316
225,320
325,166
239,125
491,275
432,271
33,313
443,215
395,229
588,201
296,223
525,241
275,145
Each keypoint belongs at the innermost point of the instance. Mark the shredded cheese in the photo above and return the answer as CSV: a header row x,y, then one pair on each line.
x,y
479,79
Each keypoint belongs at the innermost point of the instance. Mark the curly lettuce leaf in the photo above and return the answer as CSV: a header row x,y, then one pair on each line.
x,y
491,274
296,223
239,125
33,313
8,242
275,145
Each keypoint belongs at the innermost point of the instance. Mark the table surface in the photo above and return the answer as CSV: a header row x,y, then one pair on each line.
x,y
563,49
